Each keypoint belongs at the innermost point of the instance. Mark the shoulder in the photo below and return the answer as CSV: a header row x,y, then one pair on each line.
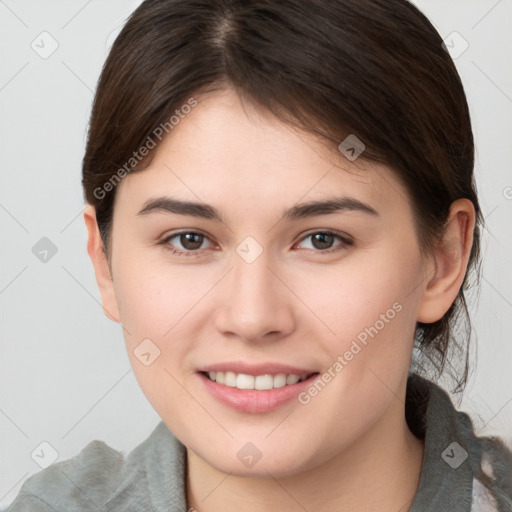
x,y
79,483
461,470
151,477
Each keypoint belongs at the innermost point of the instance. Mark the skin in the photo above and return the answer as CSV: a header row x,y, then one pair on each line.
x,y
292,305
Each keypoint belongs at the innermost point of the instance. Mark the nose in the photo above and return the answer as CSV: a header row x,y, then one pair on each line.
x,y
256,305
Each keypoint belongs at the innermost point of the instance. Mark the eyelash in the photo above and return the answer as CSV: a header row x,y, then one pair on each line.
x,y
345,242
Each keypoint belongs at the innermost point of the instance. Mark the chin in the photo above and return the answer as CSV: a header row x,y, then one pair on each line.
x,y
250,461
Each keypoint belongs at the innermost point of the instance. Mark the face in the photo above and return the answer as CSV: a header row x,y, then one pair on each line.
x,y
256,285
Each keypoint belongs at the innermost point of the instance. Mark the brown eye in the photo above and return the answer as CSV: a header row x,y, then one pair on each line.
x,y
191,241
186,243
324,241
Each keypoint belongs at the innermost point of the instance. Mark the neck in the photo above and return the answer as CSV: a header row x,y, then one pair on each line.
x,y
380,471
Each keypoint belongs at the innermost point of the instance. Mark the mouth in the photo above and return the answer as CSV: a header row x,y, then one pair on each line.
x,y
256,391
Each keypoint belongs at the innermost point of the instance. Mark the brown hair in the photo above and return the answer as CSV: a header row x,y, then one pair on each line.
x,y
373,68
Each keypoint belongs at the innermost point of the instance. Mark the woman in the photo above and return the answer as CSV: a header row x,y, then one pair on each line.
x,y
280,208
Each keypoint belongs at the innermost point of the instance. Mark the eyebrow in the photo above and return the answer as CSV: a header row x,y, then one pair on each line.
x,y
299,211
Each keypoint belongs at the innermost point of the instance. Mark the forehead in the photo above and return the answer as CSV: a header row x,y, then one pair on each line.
x,y
228,151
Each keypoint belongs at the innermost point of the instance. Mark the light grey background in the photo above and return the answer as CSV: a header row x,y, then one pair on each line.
x,y
64,375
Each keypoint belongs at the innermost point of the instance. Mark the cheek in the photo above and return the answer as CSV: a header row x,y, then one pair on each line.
x,y
373,287
370,308
156,307
153,299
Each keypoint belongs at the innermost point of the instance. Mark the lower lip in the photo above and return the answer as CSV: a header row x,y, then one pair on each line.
x,y
255,401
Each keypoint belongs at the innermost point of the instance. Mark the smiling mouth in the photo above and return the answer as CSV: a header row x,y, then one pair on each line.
x,y
264,382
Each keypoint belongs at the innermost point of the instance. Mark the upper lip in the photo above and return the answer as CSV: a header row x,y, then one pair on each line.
x,y
256,369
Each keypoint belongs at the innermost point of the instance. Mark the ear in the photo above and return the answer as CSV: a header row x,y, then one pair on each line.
x,y
101,265
449,263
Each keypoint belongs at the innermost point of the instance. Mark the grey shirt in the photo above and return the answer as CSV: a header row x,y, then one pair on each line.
x,y
153,475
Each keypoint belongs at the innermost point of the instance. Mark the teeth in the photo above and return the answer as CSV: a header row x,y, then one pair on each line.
x,y
230,379
260,382
263,382
280,380
245,381
292,379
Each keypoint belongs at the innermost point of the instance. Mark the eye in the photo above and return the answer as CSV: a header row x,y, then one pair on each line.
x,y
190,241
322,240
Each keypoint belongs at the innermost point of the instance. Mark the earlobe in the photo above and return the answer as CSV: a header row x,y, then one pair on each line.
x,y
450,261
100,264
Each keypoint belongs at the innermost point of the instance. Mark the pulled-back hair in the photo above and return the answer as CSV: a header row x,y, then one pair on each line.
x,y
376,69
